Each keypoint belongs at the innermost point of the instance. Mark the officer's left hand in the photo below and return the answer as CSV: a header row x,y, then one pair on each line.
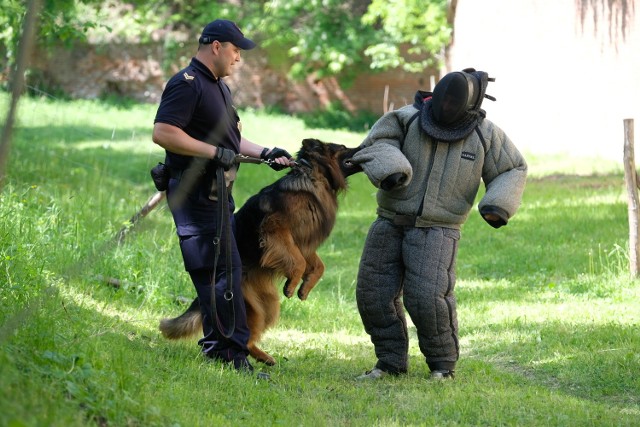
x,y
225,158
279,158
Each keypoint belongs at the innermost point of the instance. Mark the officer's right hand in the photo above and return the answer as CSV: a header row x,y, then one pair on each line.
x,y
225,158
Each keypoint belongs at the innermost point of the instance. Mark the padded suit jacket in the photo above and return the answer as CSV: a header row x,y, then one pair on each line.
x,y
443,178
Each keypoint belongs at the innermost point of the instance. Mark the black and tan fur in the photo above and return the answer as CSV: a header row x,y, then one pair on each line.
x,y
278,232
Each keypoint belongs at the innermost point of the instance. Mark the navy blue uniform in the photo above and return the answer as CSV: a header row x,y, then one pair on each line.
x,y
200,104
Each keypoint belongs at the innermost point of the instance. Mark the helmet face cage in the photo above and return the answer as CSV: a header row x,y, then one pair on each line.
x,y
454,96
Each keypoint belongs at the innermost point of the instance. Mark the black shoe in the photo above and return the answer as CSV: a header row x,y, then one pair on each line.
x,y
240,363
263,376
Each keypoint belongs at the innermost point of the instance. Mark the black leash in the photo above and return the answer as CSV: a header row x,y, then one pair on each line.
x,y
223,220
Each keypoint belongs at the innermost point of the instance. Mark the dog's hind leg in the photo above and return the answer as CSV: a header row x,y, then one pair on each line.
x,y
315,270
263,309
282,254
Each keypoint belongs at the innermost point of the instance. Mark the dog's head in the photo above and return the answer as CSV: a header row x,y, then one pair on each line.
x,y
331,156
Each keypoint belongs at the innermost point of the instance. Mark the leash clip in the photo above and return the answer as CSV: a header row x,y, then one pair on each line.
x,y
241,158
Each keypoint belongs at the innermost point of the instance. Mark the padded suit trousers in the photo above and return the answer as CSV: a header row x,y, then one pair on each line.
x,y
415,268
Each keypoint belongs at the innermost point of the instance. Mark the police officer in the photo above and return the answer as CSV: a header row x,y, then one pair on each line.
x,y
199,128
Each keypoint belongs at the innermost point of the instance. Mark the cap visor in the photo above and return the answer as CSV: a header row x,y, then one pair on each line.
x,y
246,44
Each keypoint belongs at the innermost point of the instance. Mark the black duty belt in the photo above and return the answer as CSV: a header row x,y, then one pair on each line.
x,y
177,174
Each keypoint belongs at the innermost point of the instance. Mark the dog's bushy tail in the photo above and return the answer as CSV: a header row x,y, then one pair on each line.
x,y
186,325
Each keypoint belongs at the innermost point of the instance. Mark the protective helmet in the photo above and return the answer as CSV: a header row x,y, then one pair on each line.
x,y
454,109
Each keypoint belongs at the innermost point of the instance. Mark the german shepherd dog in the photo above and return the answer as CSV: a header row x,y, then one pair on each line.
x,y
279,230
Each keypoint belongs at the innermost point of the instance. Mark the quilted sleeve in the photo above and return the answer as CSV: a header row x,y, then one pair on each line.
x,y
504,174
381,155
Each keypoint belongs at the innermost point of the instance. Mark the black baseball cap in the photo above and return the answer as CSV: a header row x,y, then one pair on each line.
x,y
225,31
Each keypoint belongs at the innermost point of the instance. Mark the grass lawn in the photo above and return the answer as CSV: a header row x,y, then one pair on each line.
x,y
548,312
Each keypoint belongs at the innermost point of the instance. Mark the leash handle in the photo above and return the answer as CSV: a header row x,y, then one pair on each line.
x,y
223,220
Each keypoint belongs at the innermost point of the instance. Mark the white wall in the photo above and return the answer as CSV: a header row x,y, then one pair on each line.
x,y
560,87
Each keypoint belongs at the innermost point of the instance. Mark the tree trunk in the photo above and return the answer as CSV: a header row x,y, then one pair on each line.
x,y
17,83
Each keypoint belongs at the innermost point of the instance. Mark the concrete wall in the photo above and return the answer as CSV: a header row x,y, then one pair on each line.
x,y
563,84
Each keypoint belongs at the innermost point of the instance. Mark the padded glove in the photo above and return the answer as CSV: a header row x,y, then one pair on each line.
x,y
225,158
393,181
273,155
494,216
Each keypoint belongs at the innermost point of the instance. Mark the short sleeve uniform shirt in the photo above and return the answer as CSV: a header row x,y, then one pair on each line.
x,y
200,104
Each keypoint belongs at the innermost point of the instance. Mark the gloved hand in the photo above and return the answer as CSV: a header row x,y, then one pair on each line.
x,y
225,158
393,181
273,155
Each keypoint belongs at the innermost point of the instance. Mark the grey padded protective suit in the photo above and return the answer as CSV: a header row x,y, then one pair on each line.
x,y
410,252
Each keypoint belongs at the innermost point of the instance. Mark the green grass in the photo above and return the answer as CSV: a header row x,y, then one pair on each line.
x,y
548,313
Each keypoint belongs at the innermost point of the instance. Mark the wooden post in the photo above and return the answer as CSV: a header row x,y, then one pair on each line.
x,y
631,180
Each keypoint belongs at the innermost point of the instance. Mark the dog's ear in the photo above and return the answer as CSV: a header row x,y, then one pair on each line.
x,y
311,144
310,148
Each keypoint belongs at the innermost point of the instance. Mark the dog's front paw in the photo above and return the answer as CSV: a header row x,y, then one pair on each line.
x,y
288,289
261,355
303,293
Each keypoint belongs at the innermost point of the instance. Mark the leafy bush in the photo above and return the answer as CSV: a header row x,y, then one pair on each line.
x,y
337,117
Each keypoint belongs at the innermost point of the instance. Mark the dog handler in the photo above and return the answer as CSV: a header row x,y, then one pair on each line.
x,y
199,128
428,160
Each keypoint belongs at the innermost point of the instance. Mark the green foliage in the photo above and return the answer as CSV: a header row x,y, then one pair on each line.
x,y
63,21
319,37
547,310
59,21
10,22
335,37
324,38
420,25
337,117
